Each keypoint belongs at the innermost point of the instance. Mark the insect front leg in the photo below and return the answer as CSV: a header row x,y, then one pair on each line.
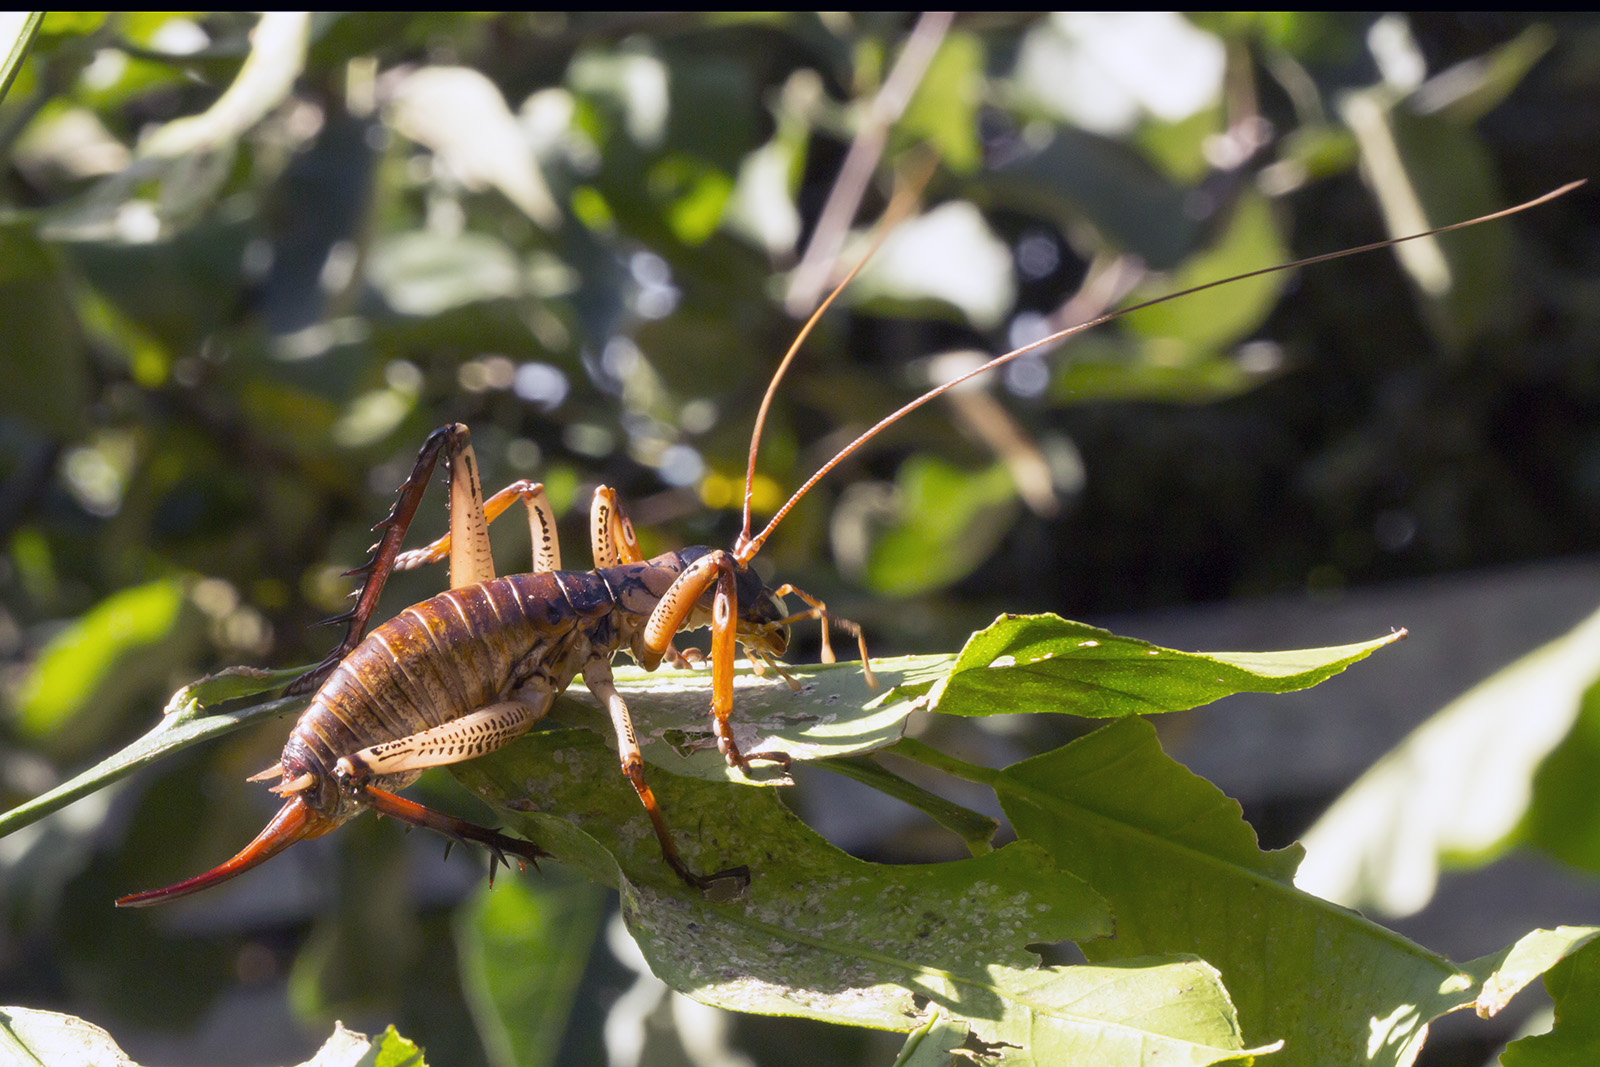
x,y
610,531
718,569
816,609
597,676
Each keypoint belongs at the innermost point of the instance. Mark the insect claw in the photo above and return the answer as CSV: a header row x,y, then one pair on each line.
x,y
778,756
725,885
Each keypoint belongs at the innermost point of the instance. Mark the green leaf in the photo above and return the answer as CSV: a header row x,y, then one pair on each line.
x,y
461,115
810,935
1503,974
1459,785
1563,816
835,713
85,678
944,110
1428,171
37,317
1179,331
1047,663
423,273
1574,1041
391,1050
1079,175
1084,381
694,194
976,830
277,55
1472,88
931,1043
17,30
1183,873
950,521
174,733
523,946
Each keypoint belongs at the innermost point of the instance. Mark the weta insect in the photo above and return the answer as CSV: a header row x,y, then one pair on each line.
x,y
471,669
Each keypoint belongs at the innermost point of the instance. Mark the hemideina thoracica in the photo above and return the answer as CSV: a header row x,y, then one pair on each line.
x,y
471,669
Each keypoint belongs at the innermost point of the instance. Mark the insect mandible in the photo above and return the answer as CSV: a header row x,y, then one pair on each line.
x,y
468,671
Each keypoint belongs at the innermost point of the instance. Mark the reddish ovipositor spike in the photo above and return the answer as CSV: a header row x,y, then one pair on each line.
x,y
295,821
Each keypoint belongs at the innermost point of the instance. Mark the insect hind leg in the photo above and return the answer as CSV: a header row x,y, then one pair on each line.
x,y
381,562
456,829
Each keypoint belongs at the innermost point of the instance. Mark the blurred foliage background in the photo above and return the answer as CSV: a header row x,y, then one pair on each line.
x,y
247,264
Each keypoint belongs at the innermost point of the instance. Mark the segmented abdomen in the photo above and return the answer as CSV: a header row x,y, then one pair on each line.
x,y
447,656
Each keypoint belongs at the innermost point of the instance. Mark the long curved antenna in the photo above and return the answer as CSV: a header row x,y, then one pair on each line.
x,y
899,206
748,547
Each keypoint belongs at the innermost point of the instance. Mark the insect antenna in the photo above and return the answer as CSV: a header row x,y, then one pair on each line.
x,y
906,194
748,546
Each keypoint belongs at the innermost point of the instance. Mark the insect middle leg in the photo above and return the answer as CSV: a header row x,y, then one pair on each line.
x,y
712,570
541,524
614,542
597,676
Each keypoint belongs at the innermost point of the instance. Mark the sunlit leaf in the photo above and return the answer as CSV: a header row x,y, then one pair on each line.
x,y
807,923
86,676
277,55
423,273
835,713
1459,785
950,255
394,1050
461,115
1083,670
33,1038
1182,868
17,29
1574,985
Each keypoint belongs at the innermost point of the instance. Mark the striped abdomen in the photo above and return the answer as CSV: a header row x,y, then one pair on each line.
x,y
452,654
